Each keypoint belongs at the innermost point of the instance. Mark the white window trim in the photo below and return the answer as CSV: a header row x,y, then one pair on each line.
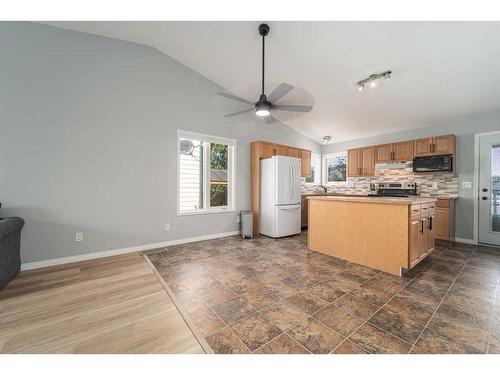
x,y
231,170
320,170
324,170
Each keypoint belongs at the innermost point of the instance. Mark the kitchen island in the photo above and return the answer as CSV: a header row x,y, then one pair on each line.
x,y
387,234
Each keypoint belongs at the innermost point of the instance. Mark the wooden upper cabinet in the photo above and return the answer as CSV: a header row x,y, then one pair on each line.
x,y
353,163
367,161
402,151
266,150
361,161
293,152
444,145
305,160
441,145
383,153
423,147
280,150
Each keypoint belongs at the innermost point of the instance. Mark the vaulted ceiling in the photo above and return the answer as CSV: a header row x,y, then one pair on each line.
x,y
441,70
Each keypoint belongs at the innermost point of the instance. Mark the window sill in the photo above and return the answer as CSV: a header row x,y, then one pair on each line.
x,y
206,212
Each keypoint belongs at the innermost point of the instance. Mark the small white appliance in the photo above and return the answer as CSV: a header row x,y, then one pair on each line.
x,y
280,196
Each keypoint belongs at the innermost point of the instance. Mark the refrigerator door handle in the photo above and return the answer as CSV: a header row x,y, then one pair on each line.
x,y
290,185
289,207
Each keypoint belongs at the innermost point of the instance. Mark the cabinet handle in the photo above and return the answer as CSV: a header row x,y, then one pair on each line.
x,y
430,223
430,148
422,226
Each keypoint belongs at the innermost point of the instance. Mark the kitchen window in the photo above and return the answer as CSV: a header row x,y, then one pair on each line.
x,y
335,168
315,177
205,178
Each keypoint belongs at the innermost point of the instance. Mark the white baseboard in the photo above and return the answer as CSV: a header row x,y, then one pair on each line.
x,y
126,250
465,240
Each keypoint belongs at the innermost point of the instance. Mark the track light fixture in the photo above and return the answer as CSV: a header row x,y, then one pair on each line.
x,y
372,81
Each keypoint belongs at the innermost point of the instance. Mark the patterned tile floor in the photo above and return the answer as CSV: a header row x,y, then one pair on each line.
x,y
276,296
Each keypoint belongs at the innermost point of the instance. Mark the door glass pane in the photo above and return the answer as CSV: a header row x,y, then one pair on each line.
x,y
495,188
218,175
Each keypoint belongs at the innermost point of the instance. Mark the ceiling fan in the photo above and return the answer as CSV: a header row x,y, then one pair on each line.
x,y
265,105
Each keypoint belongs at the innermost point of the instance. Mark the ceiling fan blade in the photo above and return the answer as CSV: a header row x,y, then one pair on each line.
x,y
279,92
292,108
234,97
269,119
238,113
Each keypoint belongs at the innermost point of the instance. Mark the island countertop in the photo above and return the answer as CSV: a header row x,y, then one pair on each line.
x,y
365,199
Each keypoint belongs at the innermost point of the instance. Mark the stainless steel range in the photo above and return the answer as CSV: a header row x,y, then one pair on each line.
x,y
395,189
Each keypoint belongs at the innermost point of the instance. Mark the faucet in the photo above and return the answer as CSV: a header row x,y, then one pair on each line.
x,y
325,189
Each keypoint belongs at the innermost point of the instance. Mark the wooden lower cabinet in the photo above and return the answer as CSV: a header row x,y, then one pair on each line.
x,y
421,236
415,241
444,220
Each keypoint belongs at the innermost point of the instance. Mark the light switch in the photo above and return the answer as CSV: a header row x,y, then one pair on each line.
x,y
466,185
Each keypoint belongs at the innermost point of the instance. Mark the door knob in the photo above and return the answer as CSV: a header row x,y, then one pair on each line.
x,y
484,198
485,190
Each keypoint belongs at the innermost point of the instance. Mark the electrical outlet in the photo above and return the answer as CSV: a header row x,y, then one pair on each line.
x,y
466,185
167,227
434,185
78,237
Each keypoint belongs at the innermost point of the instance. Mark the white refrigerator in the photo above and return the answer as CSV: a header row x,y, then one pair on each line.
x,y
280,196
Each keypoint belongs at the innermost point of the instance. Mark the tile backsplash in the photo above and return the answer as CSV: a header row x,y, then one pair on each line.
x,y
442,184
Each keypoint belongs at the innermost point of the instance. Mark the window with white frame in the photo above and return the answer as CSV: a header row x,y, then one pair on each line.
x,y
335,168
205,170
315,177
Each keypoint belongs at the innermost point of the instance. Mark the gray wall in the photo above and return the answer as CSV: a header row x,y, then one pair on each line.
x,y
464,129
88,141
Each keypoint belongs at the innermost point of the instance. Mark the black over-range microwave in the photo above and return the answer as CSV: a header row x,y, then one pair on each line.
x,y
439,163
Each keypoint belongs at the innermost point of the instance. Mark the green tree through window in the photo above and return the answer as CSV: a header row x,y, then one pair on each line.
x,y
218,175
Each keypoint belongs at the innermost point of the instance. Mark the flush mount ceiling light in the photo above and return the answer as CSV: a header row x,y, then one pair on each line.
x,y
265,105
327,139
372,81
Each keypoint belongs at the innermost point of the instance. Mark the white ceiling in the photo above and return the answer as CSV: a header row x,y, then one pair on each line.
x,y
441,70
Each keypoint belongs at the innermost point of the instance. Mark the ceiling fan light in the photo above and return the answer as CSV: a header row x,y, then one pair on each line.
x,y
262,107
361,87
262,111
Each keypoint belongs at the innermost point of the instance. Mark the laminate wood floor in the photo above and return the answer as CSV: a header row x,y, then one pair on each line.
x,y
110,305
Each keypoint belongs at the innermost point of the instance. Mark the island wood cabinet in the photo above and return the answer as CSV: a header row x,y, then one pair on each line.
x,y
387,234
360,162
262,150
421,232
401,151
441,145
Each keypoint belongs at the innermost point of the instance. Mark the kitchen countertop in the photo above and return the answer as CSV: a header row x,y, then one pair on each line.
x,y
333,195
366,199
436,196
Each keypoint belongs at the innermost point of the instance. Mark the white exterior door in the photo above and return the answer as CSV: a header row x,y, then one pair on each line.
x,y
489,189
